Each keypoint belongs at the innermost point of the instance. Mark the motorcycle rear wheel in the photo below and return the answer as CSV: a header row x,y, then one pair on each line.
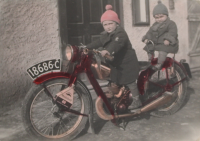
x,y
42,118
179,90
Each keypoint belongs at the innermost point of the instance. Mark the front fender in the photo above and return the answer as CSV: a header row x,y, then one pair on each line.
x,y
51,75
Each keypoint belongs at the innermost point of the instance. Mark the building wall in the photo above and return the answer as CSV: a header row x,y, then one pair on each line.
x,y
179,15
29,35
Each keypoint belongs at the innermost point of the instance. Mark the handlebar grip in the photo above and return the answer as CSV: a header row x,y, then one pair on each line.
x,y
111,58
150,41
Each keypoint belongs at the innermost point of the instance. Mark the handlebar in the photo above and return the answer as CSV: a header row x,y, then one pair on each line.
x,y
107,56
150,41
82,46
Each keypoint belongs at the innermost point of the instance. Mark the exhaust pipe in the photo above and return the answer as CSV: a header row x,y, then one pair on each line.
x,y
100,110
154,104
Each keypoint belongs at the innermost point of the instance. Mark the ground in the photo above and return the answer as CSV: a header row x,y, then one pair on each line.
x,y
182,126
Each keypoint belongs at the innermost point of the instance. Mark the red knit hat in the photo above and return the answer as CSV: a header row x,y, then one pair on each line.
x,y
109,15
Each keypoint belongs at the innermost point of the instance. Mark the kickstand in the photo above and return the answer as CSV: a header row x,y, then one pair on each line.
x,y
123,124
119,122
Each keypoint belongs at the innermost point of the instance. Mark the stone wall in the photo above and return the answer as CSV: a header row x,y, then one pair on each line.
x,y
29,35
179,15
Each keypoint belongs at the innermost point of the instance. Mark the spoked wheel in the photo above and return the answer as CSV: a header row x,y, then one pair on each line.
x,y
167,80
46,120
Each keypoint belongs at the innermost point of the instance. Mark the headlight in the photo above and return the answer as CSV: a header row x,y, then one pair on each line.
x,y
71,53
68,52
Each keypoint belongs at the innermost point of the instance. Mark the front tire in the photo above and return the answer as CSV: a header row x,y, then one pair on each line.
x,y
44,120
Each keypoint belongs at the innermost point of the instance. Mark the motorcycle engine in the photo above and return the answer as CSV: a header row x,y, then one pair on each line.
x,y
120,100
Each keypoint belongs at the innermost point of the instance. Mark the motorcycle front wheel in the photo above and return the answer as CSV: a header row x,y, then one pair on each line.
x,y
45,120
174,79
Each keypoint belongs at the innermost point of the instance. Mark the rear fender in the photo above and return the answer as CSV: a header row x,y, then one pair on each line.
x,y
186,67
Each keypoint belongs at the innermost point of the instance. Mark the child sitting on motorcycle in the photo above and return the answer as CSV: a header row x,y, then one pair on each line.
x,y
115,42
164,35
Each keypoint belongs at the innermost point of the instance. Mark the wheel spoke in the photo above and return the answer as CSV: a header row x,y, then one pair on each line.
x,y
167,75
62,128
159,75
58,130
47,92
161,86
64,124
178,82
46,127
75,112
51,126
38,123
153,98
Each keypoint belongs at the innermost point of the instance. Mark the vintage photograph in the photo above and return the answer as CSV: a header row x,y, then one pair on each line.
x,y
86,70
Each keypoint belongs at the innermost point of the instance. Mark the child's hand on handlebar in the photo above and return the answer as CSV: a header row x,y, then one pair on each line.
x,y
104,52
146,41
166,42
85,51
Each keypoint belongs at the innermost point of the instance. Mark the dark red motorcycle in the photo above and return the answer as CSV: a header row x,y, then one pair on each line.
x,y
59,104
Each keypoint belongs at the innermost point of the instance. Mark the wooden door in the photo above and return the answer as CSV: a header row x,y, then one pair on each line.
x,y
194,33
83,19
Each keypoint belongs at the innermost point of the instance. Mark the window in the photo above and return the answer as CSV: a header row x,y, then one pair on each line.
x,y
140,12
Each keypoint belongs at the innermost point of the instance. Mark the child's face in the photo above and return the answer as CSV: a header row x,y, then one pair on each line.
x,y
109,26
160,18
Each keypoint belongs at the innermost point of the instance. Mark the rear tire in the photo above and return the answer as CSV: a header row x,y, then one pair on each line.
x,y
180,91
43,120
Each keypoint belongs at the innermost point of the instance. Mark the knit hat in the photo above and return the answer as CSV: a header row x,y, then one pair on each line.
x,y
109,15
160,9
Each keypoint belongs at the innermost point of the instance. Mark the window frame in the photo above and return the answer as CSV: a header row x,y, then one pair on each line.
x,y
134,12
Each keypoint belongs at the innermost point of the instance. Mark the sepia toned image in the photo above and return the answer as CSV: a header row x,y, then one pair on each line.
x,y
114,70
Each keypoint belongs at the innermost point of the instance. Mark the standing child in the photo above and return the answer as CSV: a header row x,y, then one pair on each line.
x,y
115,41
164,35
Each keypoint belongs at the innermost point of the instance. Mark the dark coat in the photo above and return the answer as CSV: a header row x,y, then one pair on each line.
x,y
124,67
160,32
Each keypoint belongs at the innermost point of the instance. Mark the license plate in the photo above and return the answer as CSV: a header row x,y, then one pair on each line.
x,y
43,67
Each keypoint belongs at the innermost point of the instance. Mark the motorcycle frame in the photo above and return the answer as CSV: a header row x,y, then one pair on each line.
x,y
85,66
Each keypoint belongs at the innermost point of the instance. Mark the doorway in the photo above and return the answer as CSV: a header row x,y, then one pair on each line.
x,y
79,20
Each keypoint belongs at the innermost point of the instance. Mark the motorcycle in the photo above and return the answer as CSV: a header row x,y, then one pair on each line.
x,y
59,105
